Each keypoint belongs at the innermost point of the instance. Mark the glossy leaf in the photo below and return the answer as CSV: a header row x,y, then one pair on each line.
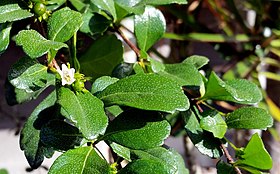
x,y
171,160
255,155
213,122
132,6
10,10
197,61
138,129
123,70
164,2
78,4
60,135
149,27
238,91
102,57
102,83
146,91
30,76
107,5
85,110
82,160
4,36
122,151
30,143
63,24
249,118
35,45
224,168
203,141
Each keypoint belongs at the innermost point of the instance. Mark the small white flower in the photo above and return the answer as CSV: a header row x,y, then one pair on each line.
x,y
67,75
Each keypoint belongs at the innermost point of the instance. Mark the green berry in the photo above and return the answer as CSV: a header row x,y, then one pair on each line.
x,y
79,85
39,9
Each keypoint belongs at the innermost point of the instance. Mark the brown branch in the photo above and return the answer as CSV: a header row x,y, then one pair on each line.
x,y
229,158
128,42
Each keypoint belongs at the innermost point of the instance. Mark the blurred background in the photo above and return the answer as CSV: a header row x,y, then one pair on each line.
x,y
240,37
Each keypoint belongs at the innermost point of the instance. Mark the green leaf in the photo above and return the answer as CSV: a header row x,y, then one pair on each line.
x,y
203,141
30,143
102,57
82,160
197,61
149,27
249,118
78,4
3,171
224,168
238,90
10,10
156,65
94,24
132,6
122,151
146,91
164,2
85,110
138,129
5,36
60,135
107,5
30,76
213,122
171,160
63,24
35,45
255,155
123,70
101,83
144,166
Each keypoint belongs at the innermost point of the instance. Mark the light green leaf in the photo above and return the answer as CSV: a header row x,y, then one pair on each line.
x,y
30,78
3,171
255,155
203,141
156,65
85,110
60,135
238,90
101,83
35,45
171,160
5,36
138,129
146,91
213,122
249,118
132,6
78,4
102,57
63,24
149,27
83,160
11,10
197,61
30,143
122,151
107,5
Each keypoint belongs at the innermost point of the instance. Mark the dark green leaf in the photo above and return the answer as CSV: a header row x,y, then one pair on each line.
x,y
107,5
30,143
83,160
249,118
238,91
54,4
60,135
94,23
213,122
123,70
138,129
146,91
35,45
203,141
255,155
5,36
101,83
122,151
85,110
144,166
225,168
164,2
10,10
197,61
102,57
149,27
132,6
63,24
171,160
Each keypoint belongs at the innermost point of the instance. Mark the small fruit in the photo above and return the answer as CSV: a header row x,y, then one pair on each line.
x,y
79,85
39,9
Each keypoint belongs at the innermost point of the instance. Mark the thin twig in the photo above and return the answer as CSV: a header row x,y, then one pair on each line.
x,y
128,42
229,158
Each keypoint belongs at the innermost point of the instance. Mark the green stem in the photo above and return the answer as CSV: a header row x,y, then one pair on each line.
x,y
74,60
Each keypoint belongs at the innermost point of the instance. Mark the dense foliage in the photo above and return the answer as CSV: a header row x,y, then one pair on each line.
x,y
72,48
